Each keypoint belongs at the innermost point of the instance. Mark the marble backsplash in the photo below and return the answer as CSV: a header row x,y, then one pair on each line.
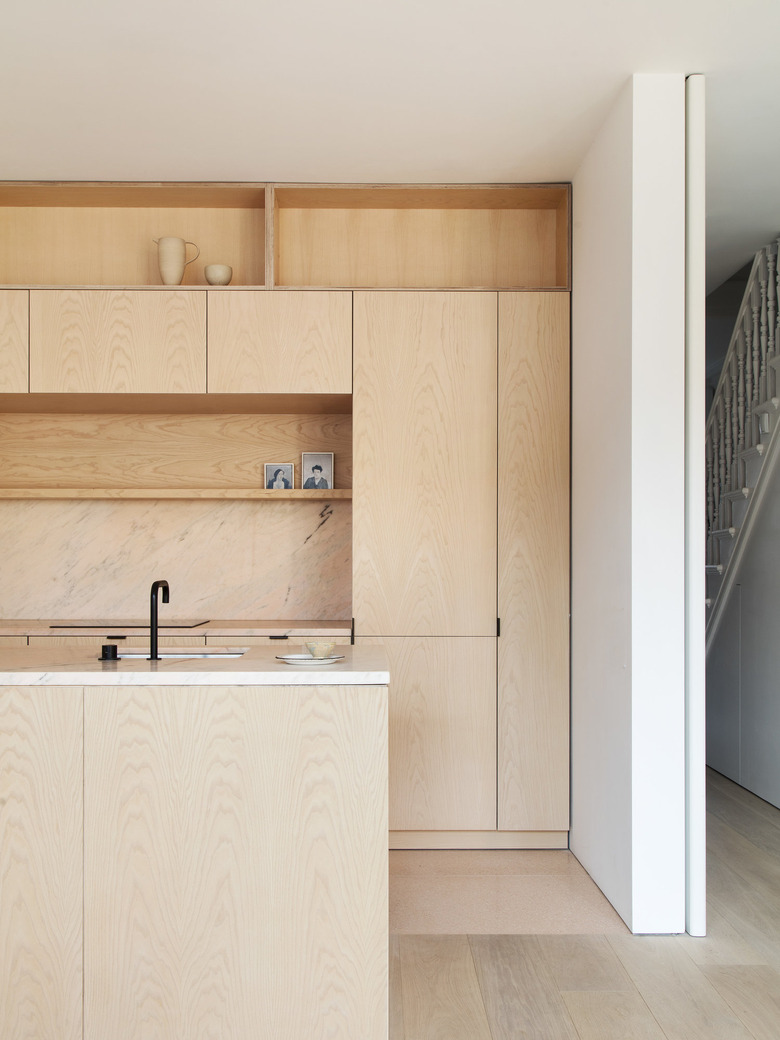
x,y
223,559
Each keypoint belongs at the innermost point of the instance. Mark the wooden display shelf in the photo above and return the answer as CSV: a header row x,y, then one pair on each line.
x,y
327,236
263,494
177,404
101,234
420,237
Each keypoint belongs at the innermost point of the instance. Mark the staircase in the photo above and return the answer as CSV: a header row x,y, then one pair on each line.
x,y
742,431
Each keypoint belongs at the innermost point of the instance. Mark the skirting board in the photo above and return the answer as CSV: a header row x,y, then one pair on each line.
x,y
479,840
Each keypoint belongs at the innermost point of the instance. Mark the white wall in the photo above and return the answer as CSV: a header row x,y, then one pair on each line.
x,y
628,506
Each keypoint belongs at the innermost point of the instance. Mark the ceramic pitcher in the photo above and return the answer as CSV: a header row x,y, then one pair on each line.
x,y
172,258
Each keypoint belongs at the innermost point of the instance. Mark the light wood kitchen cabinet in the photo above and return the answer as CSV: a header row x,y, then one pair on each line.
x,y
235,862
41,833
13,341
442,733
117,342
275,343
123,641
424,464
533,562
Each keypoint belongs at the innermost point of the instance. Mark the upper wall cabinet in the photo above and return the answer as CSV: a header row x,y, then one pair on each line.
x,y
488,237
273,343
85,234
424,414
132,342
287,236
13,341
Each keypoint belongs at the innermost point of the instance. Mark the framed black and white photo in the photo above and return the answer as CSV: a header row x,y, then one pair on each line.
x,y
317,470
279,476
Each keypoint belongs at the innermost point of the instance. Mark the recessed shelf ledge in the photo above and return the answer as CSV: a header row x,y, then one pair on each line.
x,y
298,494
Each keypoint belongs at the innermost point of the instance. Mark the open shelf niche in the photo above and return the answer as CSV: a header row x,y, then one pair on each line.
x,y
169,446
98,235
283,236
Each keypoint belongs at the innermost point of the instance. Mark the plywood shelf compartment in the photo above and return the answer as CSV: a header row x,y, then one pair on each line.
x,y
223,494
176,404
421,237
101,234
165,455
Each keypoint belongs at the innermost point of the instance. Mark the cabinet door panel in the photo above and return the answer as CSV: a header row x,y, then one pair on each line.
x,y
13,341
442,733
533,651
41,864
280,342
236,865
424,464
128,342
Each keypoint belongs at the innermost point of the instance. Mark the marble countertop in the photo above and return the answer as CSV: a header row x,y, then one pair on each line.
x,y
195,627
22,666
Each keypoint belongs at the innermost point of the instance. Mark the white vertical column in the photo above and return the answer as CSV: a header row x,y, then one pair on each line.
x,y
695,588
658,504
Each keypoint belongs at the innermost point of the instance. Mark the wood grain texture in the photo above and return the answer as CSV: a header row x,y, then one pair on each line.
x,y
178,404
98,341
135,194
395,1009
753,992
533,583
294,644
464,839
442,733
681,999
114,245
425,464
236,874
583,962
165,452
602,1015
441,996
126,641
266,343
419,196
417,248
518,990
14,341
224,494
40,863
6,641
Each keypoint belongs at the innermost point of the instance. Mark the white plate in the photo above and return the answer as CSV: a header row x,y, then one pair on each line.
x,y
308,659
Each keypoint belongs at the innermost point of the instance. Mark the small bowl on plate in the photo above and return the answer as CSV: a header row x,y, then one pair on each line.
x,y
320,647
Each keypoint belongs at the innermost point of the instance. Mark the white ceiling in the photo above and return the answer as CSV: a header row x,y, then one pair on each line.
x,y
366,91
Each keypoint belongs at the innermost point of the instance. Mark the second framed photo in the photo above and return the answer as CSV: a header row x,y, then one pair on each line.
x,y
279,476
317,470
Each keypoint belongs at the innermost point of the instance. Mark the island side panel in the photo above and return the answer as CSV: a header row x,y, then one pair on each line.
x,y
40,862
236,862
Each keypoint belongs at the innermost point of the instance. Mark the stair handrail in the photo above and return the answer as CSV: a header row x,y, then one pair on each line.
x,y
739,414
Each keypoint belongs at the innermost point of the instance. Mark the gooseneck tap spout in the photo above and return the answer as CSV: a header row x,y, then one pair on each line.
x,y
156,587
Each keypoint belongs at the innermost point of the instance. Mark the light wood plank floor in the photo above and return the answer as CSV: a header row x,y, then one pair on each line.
x,y
607,985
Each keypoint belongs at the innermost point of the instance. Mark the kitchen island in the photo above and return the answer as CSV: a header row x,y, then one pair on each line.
x,y
193,847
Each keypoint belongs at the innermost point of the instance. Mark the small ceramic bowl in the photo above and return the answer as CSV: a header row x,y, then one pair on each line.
x,y
320,648
218,274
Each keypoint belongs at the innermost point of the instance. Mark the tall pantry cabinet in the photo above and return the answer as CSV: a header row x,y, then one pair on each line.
x,y
461,532
424,543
